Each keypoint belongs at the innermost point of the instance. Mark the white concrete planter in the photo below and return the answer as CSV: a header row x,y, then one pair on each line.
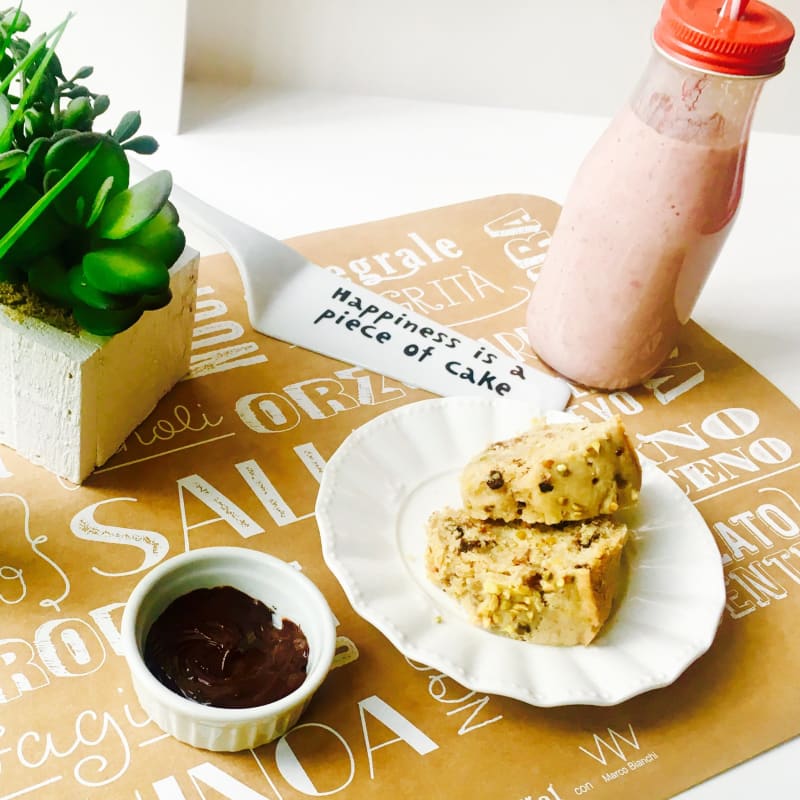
x,y
68,402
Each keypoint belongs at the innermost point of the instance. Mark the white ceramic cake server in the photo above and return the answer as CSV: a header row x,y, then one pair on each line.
x,y
292,299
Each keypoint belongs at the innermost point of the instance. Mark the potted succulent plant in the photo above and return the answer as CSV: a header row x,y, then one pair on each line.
x,y
97,286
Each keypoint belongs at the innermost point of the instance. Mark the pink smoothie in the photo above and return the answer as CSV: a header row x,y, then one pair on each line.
x,y
639,232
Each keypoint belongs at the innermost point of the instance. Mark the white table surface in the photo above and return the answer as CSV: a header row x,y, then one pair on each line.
x,y
295,163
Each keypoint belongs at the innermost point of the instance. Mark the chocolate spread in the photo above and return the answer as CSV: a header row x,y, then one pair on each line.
x,y
219,647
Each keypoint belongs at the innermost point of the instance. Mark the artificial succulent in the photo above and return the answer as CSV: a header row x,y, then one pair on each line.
x,y
72,227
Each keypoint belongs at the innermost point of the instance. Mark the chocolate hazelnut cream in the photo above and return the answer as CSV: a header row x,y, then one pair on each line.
x,y
219,647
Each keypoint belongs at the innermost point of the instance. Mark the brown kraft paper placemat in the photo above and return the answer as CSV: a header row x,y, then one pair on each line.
x,y
233,455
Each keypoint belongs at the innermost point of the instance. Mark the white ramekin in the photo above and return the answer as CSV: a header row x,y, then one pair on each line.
x,y
281,587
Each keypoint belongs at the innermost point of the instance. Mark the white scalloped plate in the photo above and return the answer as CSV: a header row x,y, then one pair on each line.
x,y
390,474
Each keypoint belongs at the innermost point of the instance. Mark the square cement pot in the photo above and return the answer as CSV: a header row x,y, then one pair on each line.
x,y
67,402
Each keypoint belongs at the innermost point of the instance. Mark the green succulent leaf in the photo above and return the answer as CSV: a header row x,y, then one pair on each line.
x,y
161,237
169,214
132,208
18,169
150,302
52,177
55,67
128,126
100,199
6,63
143,145
106,322
88,294
125,271
34,123
78,114
62,134
15,20
77,91
5,111
12,159
42,236
42,206
11,273
48,278
101,104
109,161
83,72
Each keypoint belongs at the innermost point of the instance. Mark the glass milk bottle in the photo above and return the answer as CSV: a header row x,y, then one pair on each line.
x,y
655,198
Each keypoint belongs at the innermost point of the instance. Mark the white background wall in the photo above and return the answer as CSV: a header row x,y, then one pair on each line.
x,y
578,56
136,48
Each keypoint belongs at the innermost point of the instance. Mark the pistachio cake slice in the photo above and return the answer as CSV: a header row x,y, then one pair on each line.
x,y
552,585
553,473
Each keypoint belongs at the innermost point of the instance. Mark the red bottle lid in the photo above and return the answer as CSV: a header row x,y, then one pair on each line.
x,y
740,38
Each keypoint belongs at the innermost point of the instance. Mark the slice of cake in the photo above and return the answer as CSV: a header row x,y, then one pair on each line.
x,y
553,473
547,585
